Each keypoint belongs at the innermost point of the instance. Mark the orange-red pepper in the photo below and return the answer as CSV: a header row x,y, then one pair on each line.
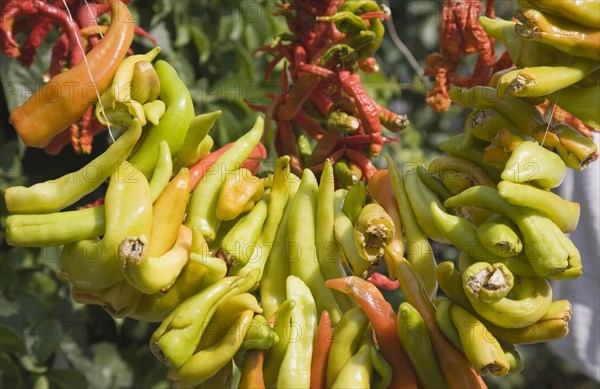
x,y
67,96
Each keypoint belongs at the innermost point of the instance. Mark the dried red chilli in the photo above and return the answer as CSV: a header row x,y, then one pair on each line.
x,y
320,62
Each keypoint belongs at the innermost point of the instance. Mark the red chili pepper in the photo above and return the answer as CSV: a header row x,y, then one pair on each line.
x,y
365,105
381,281
384,321
322,345
364,163
252,371
297,95
252,163
324,148
308,124
324,73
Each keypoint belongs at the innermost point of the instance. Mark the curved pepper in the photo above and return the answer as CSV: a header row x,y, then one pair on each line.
x,y
357,372
584,12
499,236
301,239
252,375
295,366
55,229
240,192
162,171
564,213
122,87
197,143
345,342
275,354
321,347
65,98
419,251
94,265
173,124
145,85
530,162
201,210
384,322
205,363
413,335
54,195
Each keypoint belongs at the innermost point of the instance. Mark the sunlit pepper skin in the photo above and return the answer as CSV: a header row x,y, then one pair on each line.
x,y
197,144
145,85
122,86
357,371
66,97
275,355
321,348
54,195
173,124
530,162
94,264
384,321
162,170
565,35
55,229
581,102
295,366
584,12
240,191
500,236
202,207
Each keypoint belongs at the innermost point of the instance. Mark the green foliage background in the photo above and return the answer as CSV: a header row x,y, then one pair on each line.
x,y
46,340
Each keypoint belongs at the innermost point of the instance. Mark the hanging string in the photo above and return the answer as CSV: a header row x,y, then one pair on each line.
x,y
87,6
89,71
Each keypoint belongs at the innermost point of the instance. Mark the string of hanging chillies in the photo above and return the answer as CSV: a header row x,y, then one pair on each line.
x,y
321,93
36,19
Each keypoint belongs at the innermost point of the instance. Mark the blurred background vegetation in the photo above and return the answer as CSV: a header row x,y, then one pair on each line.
x,y
46,340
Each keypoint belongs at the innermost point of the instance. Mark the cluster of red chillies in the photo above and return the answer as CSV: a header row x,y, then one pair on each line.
x,y
461,34
321,92
36,19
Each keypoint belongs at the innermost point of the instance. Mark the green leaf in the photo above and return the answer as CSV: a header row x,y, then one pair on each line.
x,y
11,342
10,373
49,336
67,379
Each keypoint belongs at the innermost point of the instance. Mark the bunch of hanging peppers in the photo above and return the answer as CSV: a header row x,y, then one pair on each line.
x,y
279,274
322,96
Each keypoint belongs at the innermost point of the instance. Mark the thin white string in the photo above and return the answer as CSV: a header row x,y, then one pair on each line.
x,y
87,5
87,65
554,107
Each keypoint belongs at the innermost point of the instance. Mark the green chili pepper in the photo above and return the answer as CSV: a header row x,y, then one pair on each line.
x,y
530,162
301,238
344,237
196,143
240,191
450,281
383,369
205,363
344,174
515,363
550,253
277,267
175,340
355,201
542,80
295,366
280,193
413,335
345,343
433,183
55,229
121,87
240,242
216,267
487,282
419,251
194,277
54,195
342,122
584,12
553,30
499,236
346,22
420,198
581,102
275,354
174,123
162,171
444,323
94,264
473,153
119,300
201,210
564,213
327,252
357,372
479,345
463,234
260,335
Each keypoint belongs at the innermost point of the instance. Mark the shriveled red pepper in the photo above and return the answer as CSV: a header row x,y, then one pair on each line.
x,y
66,97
